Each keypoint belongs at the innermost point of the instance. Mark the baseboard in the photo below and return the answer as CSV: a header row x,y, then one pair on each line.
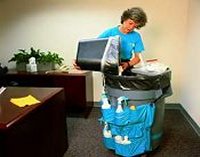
x,y
186,115
175,107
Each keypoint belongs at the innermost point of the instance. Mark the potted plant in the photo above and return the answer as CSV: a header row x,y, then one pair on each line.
x,y
48,61
21,58
45,60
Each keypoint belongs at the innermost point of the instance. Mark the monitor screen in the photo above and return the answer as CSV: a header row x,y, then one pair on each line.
x,y
101,54
90,52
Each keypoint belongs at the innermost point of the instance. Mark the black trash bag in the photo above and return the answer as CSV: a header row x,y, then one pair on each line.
x,y
139,81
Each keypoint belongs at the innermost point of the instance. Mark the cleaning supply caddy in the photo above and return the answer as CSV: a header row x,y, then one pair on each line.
x,y
127,128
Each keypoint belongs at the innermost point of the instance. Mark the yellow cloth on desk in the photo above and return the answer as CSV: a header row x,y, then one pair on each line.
x,y
24,101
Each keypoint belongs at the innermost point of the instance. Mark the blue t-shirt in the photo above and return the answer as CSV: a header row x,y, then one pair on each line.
x,y
129,43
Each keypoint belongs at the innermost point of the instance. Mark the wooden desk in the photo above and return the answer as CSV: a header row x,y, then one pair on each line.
x,y
78,87
33,131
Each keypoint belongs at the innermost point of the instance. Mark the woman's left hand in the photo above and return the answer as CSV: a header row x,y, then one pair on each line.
x,y
124,65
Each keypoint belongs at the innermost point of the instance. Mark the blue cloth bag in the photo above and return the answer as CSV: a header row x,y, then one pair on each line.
x,y
132,122
136,147
122,117
107,110
138,130
108,114
107,137
109,143
143,113
133,130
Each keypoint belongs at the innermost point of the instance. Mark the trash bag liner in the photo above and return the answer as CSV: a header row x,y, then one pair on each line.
x,y
139,81
99,55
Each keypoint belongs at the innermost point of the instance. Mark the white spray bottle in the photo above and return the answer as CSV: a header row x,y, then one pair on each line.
x,y
105,103
119,105
106,131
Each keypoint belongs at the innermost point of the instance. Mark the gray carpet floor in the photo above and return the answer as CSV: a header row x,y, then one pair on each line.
x,y
85,137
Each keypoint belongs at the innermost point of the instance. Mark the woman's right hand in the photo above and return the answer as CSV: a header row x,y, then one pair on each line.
x,y
75,65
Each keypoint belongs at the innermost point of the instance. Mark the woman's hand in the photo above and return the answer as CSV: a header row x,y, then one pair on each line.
x,y
75,65
124,65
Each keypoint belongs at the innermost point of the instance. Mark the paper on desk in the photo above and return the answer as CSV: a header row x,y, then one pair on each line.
x,y
24,101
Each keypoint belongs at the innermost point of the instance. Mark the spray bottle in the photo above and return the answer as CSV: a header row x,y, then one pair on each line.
x,y
105,103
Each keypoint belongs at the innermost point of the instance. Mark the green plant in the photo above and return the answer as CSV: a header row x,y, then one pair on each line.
x,y
35,53
22,56
56,58
50,57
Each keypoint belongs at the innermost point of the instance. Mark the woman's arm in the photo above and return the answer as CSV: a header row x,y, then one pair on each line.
x,y
133,61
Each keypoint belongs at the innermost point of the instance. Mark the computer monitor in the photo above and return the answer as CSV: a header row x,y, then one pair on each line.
x,y
101,54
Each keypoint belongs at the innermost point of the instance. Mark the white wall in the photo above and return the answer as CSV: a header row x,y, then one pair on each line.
x,y
190,77
58,25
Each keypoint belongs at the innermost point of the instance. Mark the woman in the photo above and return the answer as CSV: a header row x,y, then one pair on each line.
x,y
131,44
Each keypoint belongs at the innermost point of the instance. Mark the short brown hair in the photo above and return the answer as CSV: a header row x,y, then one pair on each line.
x,y
136,14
